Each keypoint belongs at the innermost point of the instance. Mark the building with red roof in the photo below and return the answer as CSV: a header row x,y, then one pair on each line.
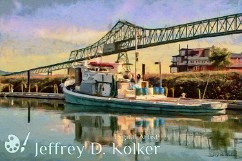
x,y
198,60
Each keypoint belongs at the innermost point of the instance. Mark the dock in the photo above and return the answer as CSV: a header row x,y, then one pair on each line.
x,y
58,96
232,104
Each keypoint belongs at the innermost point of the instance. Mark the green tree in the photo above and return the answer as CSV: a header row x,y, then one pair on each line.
x,y
220,57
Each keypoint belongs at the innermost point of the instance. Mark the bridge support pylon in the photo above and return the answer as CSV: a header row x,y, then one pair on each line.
x,y
28,75
123,57
49,73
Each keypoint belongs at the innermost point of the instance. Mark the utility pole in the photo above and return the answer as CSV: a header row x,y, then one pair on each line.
x,y
160,74
159,62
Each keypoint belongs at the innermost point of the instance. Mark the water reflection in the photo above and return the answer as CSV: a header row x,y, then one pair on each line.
x,y
35,103
203,137
212,133
221,138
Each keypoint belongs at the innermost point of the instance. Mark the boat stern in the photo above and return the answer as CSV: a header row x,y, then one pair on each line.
x,y
215,105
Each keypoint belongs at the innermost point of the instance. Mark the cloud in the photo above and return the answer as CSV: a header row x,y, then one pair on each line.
x,y
71,34
97,14
14,45
100,15
239,6
27,7
13,62
7,7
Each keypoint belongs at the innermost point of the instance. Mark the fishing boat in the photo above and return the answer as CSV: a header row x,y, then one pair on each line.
x,y
103,85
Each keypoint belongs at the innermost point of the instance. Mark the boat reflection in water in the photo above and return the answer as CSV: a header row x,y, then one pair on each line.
x,y
123,128
180,137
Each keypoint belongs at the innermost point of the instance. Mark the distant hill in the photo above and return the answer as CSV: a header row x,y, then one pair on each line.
x,y
2,72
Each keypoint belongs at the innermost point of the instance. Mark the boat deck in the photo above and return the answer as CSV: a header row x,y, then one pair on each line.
x,y
162,98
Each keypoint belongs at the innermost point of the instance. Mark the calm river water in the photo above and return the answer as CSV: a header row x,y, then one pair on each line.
x,y
32,129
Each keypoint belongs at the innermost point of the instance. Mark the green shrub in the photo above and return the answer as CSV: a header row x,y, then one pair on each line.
x,y
221,85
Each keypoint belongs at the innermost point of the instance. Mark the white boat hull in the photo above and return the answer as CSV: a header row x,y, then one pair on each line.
x,y
89,100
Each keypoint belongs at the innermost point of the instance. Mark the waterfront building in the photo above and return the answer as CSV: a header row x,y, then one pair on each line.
x,y
198,60
236,61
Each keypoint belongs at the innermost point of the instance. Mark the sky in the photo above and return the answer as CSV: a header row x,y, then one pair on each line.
x,y
34,33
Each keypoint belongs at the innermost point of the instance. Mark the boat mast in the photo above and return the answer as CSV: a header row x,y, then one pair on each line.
x,y
136,54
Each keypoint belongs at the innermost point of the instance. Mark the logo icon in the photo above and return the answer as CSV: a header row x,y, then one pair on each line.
x,y
13,143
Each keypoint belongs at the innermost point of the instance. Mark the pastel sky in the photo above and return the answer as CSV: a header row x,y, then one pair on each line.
x,y
41,32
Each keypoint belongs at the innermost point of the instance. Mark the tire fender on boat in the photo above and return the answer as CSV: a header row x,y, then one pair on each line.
x,y
104,89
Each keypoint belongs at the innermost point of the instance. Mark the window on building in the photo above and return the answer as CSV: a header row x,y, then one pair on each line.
x,y
204,67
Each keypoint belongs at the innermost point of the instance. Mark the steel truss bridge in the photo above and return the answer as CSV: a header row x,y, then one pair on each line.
x,y
124,36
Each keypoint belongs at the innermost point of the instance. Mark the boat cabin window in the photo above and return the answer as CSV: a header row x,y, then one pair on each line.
x,y
91,69
103,69
98,69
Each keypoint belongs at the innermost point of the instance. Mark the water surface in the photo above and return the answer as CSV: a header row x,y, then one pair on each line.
x,y
59,131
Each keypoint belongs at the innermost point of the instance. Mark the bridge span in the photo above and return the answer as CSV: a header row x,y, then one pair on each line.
x,y
124,36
